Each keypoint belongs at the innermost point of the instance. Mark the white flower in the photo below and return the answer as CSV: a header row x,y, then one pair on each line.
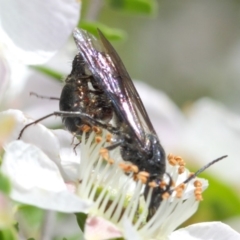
x,y
35,169
206,231
31,33
47,173
217,129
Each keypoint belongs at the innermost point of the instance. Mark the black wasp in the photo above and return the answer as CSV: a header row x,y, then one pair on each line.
x,y
136,136
82,94
98,90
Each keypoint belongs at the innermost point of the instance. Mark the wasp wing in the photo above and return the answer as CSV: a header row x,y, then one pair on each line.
x,y
127,82
107,67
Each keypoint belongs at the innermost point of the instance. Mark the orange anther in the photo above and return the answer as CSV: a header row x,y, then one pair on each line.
x,y
97,129
181,169
98,139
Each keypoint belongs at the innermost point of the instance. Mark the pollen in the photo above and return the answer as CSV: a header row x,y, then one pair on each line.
x,y
172,161
110,161
181,163
145,174
181,169
180,186
197,183
162,184
97,129
152,184
165,195
134,169
198,191
109,138
178,159
126,167
98,139
198,194
199,197
179,193
85,128
104,153
175,160
142,179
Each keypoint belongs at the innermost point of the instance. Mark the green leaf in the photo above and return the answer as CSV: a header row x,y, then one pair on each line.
x,y
110,33
148,7
49,72
75,237
16,226
7,234
5,185
116,239
31,238
81,219
33,216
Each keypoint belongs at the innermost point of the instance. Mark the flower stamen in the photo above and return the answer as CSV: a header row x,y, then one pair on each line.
x,y
116,189
97,130
98,139
85,128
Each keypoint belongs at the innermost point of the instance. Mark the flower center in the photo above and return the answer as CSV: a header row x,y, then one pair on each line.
x,y
116,188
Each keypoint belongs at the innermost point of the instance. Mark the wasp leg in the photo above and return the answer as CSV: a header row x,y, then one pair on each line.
x,y
84,116
32,123
113,146
43,97
89,120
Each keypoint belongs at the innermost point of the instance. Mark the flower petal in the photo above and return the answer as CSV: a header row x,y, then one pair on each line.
x,y
130,232
28,166
34,30
206,231
56,144
70,157
36,134
4,75
167,119
97,228
212,131
37,181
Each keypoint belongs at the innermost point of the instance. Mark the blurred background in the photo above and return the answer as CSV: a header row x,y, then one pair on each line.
x,y
188,49
188,53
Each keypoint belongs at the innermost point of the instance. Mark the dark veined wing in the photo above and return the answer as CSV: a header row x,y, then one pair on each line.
x,y
108,69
